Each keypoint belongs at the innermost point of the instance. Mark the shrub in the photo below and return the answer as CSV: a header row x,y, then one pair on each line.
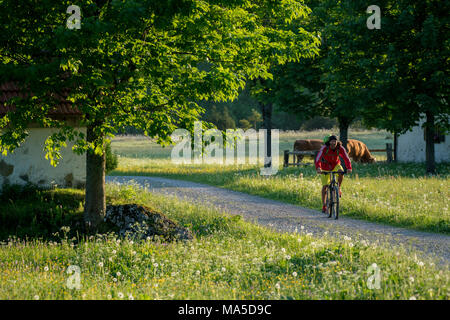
x,y
111,159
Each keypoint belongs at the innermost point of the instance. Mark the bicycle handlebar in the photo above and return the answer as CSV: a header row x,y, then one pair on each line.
x,y
327,172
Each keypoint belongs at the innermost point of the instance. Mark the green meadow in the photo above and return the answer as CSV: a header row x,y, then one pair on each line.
x,y
229,258
44,254
398,194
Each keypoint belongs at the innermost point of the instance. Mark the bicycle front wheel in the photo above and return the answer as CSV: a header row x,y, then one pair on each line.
x,y
335,204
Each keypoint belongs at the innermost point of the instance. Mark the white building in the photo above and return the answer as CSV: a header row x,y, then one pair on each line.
x,y
411,146
27,164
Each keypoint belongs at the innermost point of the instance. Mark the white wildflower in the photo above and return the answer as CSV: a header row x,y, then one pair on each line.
x,y
294,274
100,264
36,297
120,295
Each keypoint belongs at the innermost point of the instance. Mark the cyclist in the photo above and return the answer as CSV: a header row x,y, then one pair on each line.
x,y
327,160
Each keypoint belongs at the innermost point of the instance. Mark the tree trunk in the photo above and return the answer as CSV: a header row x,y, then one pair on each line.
x,y
266,110
95,199
344,124
429,140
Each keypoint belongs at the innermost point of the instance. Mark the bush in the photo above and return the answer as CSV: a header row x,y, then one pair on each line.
x,y
111,159
319,123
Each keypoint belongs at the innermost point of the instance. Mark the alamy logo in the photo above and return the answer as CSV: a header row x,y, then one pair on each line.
x,y
374,21
208,147
74,21
373,282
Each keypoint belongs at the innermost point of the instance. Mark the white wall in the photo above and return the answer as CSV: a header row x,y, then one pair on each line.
x,y
28,163
411,146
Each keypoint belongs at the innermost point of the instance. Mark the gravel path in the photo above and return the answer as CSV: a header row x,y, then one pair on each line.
x,y
285,217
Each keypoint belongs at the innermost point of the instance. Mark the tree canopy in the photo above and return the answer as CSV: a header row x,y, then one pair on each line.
x,y
138,63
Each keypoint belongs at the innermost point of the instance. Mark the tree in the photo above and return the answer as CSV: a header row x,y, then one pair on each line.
x,y
324,85
221,119
414,70
255,118
135,63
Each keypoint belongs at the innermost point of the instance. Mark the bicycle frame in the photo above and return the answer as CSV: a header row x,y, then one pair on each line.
x,y
332,195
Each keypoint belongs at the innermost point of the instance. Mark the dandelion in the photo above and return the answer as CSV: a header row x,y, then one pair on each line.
x,y
350,245
118,274
155,265
36,297
277,285
120,295
288,257
100,264
197,272
347,238
224,269
133,253
130,297
114,252
45,268
114,280
302,227
283,250
412,298
420,263
294,274
109,296
411,279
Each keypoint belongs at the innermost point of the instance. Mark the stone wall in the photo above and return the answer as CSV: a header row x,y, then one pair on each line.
x,y
28,163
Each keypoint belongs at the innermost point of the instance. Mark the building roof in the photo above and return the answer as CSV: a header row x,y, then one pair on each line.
x,y
10,90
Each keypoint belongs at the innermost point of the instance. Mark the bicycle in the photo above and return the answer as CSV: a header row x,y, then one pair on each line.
x,y
332,196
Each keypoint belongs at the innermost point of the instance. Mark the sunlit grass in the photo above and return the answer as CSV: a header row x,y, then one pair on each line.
x,y
397,194
228,259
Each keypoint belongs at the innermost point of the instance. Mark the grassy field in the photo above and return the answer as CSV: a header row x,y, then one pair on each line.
x,y
397,193
228,258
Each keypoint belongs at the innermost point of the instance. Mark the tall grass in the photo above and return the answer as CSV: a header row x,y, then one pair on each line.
x,y
394,193
228,259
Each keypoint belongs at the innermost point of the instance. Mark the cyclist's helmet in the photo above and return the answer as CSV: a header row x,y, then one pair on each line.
x,y
329,138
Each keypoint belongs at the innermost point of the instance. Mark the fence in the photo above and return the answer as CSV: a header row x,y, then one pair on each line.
x,y
389,155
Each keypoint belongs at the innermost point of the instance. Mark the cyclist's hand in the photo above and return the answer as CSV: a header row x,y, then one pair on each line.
x,y
349,171
319,171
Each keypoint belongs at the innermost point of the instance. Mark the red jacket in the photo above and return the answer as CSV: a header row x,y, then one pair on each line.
x,y
328,160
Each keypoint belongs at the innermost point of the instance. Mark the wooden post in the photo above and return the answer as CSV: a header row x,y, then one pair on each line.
x,y
286,158
395,145
389,152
